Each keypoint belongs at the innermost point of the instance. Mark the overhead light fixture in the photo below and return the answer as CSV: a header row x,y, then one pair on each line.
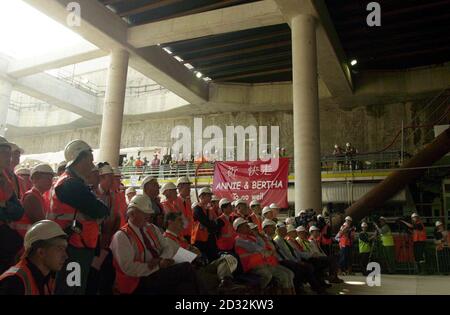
x,y
354,62
178,58
189,66
167,50
207,79
199,74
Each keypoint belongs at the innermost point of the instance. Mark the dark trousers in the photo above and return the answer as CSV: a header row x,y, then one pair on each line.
x,y
102,281
364,260
303,272
419,251
208,248
345,255
10,244
179,279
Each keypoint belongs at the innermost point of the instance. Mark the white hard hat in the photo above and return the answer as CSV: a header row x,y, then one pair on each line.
x,y
290,228
205,190
239,201
268,222
15,147
95,169
42,168
41,231
224,201
280,225
117,172
215,198
438,223
274,206
23,171
313,228
238,222
106,169
183,180
73,149
347,144
382,218
130,190
348,218
252,225
300,228
254,202
414,215
302,211
289,220
266,210
364,224
147,180
168,186
5,143
141,202
319,216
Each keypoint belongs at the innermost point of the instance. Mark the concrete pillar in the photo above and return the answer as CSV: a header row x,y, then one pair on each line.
x,y
111,130
5,100
308,186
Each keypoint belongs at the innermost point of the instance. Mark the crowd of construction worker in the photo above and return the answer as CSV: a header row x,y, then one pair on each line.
x,y
78,231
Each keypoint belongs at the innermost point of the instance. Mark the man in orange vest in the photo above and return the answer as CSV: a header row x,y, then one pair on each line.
x,y
258,258
204,229
184,199
226,235
346,236
325,234
33,201
10,210
143,257
242,211
171,204
150,188
419,239
215,209
78,211
101,274
256,209
45,253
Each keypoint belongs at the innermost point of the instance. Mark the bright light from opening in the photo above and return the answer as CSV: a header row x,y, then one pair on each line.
x,y
26,32
199,75
354,62
189,66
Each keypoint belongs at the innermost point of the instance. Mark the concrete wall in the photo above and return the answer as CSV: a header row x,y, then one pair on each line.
x,y
369,128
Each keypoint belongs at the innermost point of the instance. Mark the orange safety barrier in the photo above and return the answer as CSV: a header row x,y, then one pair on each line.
x,y
404,251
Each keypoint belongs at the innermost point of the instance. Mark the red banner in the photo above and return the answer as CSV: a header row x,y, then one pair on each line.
x,y
265,181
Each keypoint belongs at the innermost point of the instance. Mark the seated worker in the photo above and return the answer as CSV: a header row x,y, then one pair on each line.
x,y
214,209
130,193
143,258
316,248
257,258
226,234
242,211
204,228
171,204
275,210
287,256
218,273
45,246
256,209
268,214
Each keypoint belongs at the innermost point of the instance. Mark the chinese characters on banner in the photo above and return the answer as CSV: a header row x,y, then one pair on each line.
x,y
265,181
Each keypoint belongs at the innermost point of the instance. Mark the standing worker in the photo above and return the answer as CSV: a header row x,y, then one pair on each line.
x,y
184,199
226,235
45,253
78,211
387,240
10,210
33,201
419,240
365,247
204,229
346,236
150,188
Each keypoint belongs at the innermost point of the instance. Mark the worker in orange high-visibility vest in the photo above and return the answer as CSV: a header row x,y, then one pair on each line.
x,y
33,201
419,237
184,199
78,211
45,253
226,236
346,237
143,257
215,209
170,204
242,211
257,257
23,174
204,227
101,274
